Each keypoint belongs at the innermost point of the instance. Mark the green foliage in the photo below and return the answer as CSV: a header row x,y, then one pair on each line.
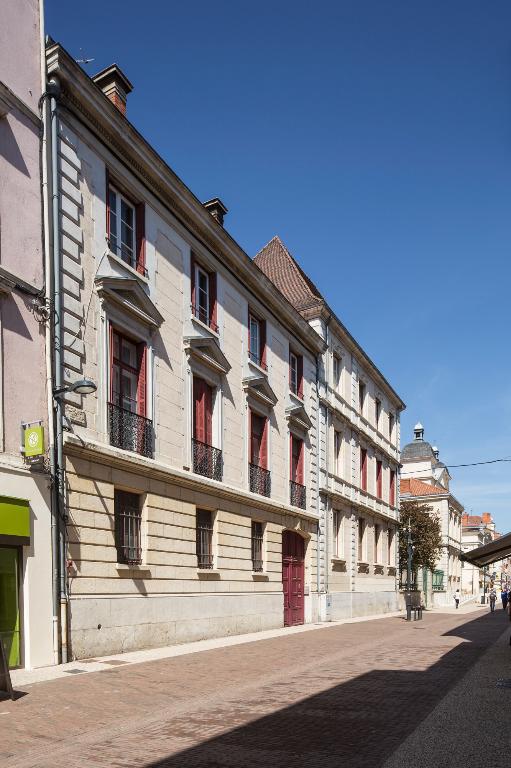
x,y
426,535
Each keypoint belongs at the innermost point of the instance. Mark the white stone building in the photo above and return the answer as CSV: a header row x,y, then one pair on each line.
x,y
425,478
191,474
359,415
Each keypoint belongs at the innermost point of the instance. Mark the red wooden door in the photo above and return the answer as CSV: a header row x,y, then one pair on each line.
x,y
293,557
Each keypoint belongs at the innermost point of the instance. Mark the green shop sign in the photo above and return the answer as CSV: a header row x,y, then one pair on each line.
x,y
34,441
14,520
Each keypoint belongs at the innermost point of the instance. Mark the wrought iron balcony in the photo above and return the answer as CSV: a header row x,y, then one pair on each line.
x,y
130,431
297,494
207,461
260,480
255,358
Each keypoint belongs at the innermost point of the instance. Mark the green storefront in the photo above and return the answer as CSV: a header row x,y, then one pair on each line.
x,y
14,534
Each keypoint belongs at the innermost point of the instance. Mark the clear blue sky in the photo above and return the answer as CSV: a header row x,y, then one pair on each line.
x,y
375,139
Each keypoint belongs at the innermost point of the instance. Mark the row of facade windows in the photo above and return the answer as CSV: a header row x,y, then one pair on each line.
x,y
383,546
128,534
390,496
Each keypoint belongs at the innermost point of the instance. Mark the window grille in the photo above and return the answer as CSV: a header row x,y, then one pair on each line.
x,y
204,540
128,519
257,546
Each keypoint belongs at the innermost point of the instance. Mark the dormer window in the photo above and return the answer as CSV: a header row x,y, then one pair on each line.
x,y
204,295
125,223
257,340
296,374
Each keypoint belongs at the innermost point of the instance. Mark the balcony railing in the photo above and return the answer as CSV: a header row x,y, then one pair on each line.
x,y
127,255
201,314
255,358
207,461
297,494
260,480
130,431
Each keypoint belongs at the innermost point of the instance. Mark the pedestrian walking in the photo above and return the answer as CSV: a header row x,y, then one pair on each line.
x,y
504,597
493,598
457,598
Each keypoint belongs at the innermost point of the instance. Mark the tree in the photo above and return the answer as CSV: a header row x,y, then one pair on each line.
x,y
426,536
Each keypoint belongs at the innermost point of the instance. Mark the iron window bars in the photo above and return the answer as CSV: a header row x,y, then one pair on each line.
x,y
128,519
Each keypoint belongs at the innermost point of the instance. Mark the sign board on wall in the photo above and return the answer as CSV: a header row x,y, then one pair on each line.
x,y
34,441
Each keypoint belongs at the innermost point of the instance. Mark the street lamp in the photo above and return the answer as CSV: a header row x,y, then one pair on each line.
x,y
486,536
81,387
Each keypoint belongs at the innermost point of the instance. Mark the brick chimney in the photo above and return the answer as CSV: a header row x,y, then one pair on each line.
x,y
486,518
115,85
217,209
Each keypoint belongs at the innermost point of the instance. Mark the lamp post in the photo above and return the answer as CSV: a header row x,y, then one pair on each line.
x,y
409,573
486,537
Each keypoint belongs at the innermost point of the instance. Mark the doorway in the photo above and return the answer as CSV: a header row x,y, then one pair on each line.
x,y
293,571
9,605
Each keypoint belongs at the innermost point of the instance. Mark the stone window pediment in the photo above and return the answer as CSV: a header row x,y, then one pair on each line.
x,y
256,384
296,413
127,293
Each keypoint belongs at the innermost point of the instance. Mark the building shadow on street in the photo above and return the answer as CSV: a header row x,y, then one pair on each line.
x,y
357,724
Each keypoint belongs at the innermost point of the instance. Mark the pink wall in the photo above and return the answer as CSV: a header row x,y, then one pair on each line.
x,y
21,249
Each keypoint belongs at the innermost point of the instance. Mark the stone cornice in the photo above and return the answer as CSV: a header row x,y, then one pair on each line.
x,y
85,100
118,459
9,100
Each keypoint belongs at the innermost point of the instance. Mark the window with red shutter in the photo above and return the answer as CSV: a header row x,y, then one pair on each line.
x,y
204,300
202,411
363,469
379,472
257,340
125,227
392,488
296,374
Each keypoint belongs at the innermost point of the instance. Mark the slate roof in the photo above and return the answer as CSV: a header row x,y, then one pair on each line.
x,y
418,449
414,487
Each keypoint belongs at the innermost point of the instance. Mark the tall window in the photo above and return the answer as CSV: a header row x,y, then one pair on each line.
x,y
390,546
128,425
257,546
392,488
296,374
377,412
361,396
257,340
259,440
204,305
204,538
379,474
391,425
125,228
361,540
128,517
202,411
338,534
296,460
338,452
336,372
377,543
363,469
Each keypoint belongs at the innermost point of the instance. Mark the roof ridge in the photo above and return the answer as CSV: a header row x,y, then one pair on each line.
x,y
307,283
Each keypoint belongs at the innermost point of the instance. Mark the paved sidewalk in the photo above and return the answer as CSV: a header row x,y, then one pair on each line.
x,y
345,696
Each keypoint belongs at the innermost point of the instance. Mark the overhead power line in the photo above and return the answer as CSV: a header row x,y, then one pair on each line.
x,y
471,464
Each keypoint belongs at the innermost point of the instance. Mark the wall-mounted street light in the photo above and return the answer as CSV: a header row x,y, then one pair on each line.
x,y
81,387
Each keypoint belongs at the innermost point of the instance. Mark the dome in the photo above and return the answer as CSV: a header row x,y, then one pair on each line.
x,y
418,448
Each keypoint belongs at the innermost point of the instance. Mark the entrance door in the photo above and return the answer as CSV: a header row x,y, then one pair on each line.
x,y
9,607
293,556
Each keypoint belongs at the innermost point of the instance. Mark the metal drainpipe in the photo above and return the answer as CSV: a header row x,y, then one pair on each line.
x,y
48,272
54,89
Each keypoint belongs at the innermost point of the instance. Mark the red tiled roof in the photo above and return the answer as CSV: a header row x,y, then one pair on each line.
x,y
285,273
414,487
472,520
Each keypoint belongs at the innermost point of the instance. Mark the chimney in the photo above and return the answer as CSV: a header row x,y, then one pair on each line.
x,y
436,452
418,431
217,209
115,85
486,518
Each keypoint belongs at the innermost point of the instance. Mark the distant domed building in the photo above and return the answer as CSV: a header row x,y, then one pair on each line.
x,y
425,478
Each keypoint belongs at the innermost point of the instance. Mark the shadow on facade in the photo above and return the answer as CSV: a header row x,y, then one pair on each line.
x,y
357,724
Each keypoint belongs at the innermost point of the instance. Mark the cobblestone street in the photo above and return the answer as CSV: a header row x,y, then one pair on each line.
x,y
345,695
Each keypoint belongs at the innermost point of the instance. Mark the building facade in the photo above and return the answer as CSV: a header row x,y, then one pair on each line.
x,y
26,610
358,428
476,531
191,472
426,479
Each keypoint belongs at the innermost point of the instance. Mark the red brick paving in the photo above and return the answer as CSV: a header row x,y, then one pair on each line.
x,y
340,696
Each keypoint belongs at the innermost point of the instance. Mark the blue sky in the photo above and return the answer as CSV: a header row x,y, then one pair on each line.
x,y
375,139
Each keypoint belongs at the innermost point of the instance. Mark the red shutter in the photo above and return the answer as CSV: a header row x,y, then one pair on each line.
x,y
299,468
363,469
107,182
199,431
142,380
291,459
212,300
378,479
208,414
111,357
262,342
192,283
263,448
392,489
300,376
140,227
